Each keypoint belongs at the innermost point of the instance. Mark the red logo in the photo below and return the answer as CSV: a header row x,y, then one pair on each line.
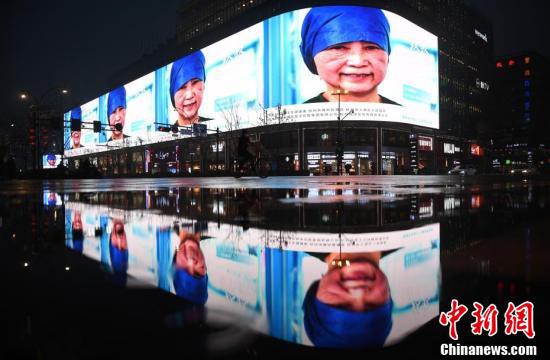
x,y
452,317
519,318
516,319
485,320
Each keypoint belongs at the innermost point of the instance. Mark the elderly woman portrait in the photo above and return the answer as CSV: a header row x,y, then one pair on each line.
x,y
76,135
349,48
116,113
187,79
351,305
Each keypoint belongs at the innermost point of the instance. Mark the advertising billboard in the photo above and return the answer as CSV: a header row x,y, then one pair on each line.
x,y
317,64
51,161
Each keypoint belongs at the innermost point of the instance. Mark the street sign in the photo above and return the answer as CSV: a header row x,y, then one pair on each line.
x,y
199,129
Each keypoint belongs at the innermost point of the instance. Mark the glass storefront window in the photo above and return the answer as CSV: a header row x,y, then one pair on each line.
x,y
190,158
395,152
353,163
164,160
216,156
316,139
137,161
282,149
359,151
123,163
395,162
359,137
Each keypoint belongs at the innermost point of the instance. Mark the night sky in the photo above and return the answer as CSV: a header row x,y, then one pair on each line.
x,y
518,26
67,43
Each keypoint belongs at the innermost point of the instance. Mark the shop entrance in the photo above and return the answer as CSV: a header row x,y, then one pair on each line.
x,y
353,163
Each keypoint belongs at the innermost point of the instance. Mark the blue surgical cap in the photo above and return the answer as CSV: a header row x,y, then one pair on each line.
x,y
328,326
116,99
191,288
76,113
119,259
185,69
325,26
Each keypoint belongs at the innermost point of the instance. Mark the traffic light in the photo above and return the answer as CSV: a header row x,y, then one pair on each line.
x,y
97,126
76,125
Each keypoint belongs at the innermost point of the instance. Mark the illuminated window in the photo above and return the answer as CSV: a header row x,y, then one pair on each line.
x,y
526,83
511,62
527,105
527,72
499,64
527,94
527,59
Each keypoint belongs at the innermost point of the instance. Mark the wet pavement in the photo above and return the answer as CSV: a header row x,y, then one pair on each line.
x,y
256,268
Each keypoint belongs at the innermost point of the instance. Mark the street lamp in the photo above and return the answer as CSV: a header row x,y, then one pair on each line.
x,y
339,139
340,262
280,114
35,107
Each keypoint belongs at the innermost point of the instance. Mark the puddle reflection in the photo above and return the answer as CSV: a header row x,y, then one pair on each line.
x,y
343,270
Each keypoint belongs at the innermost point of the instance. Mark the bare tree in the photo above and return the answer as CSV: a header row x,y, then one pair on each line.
x,y
279,116
264,118
231,115
232,119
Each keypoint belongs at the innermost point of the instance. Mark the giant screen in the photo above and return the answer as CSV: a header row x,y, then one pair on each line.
x,y
295,67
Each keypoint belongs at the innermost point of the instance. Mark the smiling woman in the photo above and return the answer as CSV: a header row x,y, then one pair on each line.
x,y
187,78
348,47
264,74
351,305
116,111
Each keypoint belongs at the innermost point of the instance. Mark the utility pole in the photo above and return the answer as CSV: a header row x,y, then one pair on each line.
x,y
339,138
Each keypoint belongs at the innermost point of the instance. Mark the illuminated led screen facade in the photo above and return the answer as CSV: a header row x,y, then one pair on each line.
x,y
380,66
51,161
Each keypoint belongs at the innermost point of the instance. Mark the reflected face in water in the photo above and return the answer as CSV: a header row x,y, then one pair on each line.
x,y
189,256
118,235
75,136
361,286
77,222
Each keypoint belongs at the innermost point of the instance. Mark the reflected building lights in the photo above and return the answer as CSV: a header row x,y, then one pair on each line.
x,y
245,259
264,244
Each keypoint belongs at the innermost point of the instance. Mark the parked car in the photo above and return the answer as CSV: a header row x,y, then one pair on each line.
x,y
467,170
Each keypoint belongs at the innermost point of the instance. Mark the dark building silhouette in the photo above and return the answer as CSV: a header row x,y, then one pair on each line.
x,y
522,104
